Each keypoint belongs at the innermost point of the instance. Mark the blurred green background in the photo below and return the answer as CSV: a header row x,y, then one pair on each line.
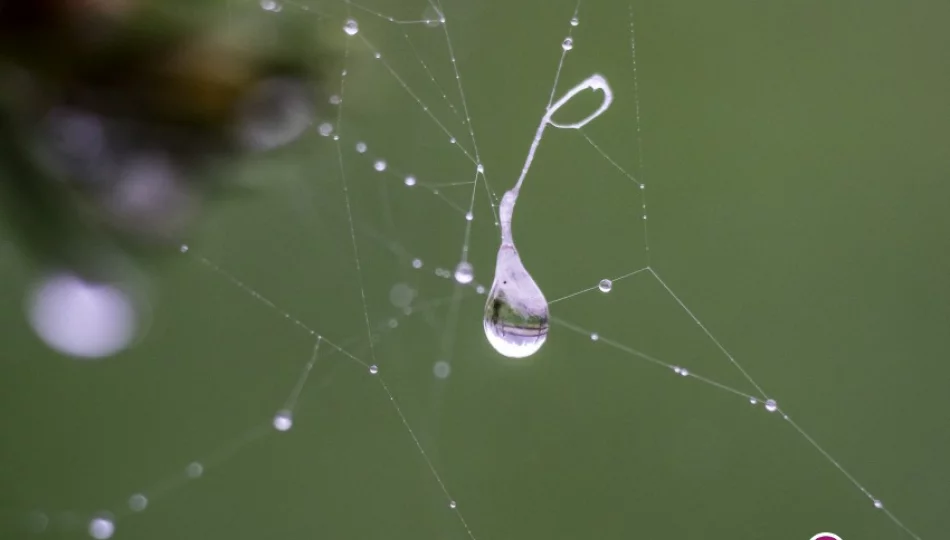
x,y
796,168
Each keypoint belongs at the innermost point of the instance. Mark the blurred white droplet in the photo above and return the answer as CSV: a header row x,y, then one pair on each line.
x,y
771,405
574,21
101,527
335,100
594,336
361,147
878,504
283,420
480,289
275,113
452,505
351,27
410,180
37,522
469,216
392,323
325,129
380,165
441,369
138,502
183,248
567,44
417,263
373,369
194,469
401,295
82,319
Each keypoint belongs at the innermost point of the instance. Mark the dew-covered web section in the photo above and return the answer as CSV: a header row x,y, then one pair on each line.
x,y
518,314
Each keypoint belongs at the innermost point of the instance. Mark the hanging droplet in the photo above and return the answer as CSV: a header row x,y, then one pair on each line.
x,y
516,313
452,505
361,147
351,27
605,285
574,21
594,336
878,504
469,216
567,44
770,405
380,165
373,369
464,273
410,180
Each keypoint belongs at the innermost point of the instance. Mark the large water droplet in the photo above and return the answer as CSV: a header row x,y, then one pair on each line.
x,y
567,44
771,405
516,313
351,27
605,285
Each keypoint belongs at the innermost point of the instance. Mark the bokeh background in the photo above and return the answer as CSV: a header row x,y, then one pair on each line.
x,y
794,156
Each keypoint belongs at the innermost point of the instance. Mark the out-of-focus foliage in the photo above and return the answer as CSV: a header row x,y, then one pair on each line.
x,y
121,119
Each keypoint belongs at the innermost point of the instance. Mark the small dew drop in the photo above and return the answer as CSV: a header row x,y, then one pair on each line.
x,y
431,17
753,401
480,289
380,165
574,21
392,323
441,369
469,216
684,372
361,147
676,369
878,504
480,168
417,263
377,56
410,180
373,369
335,100
183,248
464,273
605,285
336,137
770,405
138,502
351,27
325,129
567,44
283,420
594,336
101,527
516,313
194,469
452,140
452,505
269,5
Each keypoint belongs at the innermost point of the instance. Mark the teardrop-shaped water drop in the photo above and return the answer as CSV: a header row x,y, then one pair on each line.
x,y
516,313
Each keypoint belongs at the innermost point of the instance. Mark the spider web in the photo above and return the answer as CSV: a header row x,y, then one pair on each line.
x,y
320,370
